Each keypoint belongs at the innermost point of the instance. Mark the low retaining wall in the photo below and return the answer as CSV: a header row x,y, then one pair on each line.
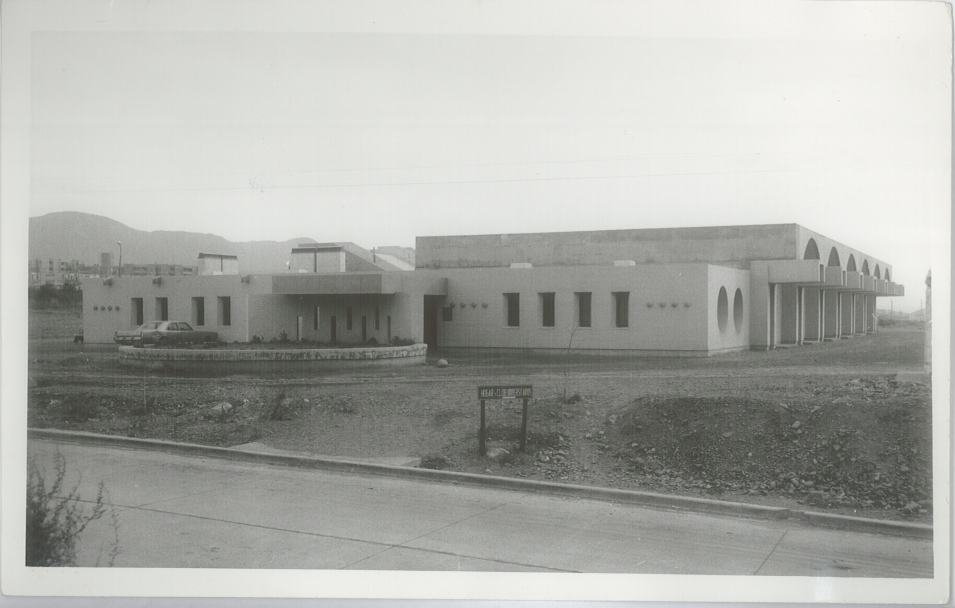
x,y
252,360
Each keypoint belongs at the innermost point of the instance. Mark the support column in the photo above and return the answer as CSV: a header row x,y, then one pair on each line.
x,y
760,307
790,313
812,300
831,314
776,316
860,319
870,314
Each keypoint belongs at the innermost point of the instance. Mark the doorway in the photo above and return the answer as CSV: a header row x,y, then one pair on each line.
x,y
431,305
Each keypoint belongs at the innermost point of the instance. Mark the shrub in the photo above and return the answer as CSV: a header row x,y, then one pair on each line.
x,y
56,518
396,341
256,339
281,408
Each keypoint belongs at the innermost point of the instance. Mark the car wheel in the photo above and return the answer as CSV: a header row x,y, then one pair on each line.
x,y
163,341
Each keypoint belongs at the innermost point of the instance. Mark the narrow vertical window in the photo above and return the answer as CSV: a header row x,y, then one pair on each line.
x,y
225,310
377,318
512,306
547,309
583,309
621,305
199,311
136,311
162,309
315,319
348,318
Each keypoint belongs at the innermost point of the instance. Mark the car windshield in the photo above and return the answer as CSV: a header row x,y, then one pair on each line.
x,y
150,325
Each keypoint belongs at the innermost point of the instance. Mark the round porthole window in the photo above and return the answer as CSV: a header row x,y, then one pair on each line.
x,y
738,310
109,308
96,308
722,310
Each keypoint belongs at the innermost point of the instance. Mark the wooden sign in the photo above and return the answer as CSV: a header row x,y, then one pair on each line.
x,y
523,392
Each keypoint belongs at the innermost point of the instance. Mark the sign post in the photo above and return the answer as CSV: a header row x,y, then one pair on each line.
x,y
524,392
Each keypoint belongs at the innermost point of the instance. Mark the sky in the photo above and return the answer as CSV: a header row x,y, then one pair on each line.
x,y
835,116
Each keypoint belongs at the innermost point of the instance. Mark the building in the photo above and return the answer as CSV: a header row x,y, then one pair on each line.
x,y
681,291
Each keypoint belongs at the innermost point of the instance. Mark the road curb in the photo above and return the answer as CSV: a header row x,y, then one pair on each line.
x,y
650,499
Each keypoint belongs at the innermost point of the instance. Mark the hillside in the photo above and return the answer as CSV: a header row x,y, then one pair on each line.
x,y
82,236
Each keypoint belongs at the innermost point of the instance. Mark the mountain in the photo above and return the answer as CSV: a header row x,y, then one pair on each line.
x,y
72,235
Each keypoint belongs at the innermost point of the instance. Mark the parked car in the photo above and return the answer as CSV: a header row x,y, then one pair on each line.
x,y
133,337
165,333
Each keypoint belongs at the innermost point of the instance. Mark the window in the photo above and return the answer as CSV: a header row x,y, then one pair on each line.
x,y
162,309
377,318
621,308
446,313
583,309
199,311
547,309
348,318
512,307
136,311
315,319
225,310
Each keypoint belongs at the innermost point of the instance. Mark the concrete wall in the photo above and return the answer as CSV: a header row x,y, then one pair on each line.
x,y
668,308
735,333
728,245
100,326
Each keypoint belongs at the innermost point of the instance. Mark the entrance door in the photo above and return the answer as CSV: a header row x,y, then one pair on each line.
x,y
332,327
431,322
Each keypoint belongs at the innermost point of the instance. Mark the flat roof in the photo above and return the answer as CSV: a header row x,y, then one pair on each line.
x,y
218,255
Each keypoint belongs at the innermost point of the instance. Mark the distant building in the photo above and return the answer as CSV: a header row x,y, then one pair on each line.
x,y
682,291
216,264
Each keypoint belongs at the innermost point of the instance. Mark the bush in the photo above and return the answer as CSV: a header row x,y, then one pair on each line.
x,y
56,518
280,409
396,341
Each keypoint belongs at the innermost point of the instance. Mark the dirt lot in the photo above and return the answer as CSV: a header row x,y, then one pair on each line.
x,y
826,426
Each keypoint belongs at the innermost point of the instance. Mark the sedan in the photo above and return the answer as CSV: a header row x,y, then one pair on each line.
x,y
167,333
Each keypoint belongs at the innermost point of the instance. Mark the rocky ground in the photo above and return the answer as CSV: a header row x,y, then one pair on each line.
x,y
827,427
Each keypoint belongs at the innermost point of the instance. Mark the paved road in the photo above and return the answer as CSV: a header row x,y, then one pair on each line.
x,y
182,511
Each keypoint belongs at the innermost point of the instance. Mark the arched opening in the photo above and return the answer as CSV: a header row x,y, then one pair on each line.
x,y
722,310
851,264
878,273
834,258
812,252
887,277
738,310
865,267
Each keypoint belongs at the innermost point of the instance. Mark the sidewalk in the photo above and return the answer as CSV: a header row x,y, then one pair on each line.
x,y
198,512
